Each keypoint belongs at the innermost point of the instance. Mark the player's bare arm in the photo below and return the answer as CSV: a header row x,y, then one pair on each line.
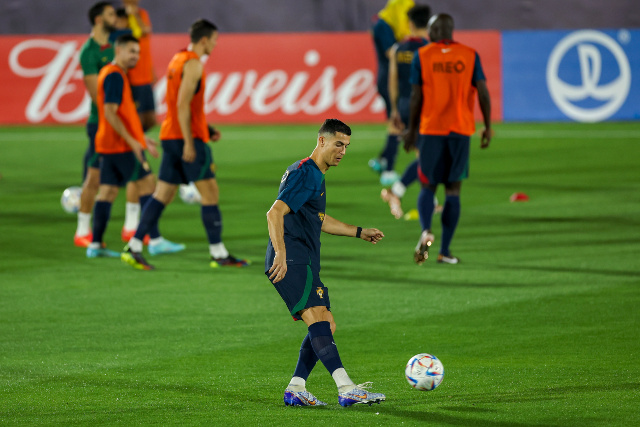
x,y
91,83
275,222
485,107
393,89
415,108
192,72
333,226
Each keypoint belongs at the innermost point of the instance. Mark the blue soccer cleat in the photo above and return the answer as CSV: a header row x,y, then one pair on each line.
x,y
378,165
165,247
360,395
102,253
387,178
301,398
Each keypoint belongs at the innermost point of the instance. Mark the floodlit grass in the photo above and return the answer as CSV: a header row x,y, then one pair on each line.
x,y
538,326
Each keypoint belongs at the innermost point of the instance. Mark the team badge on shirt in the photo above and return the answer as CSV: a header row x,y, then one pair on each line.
x,y
321,216
320,292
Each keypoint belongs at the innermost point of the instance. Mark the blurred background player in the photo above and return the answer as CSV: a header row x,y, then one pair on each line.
x,y
119,140
292,263
142,76
400,58
121,25
186,156
446,76
391,26
94,54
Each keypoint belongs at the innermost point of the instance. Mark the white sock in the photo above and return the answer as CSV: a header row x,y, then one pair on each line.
x,y
435,201
135,245
94,245
297,384
156,241
131,216
218,250
342,380
84,224
398,189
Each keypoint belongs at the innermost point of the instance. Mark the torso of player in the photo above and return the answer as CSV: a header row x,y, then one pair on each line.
x,y
142,73
303,227
448,94
404,56
170,128
93,57
108,141
383,39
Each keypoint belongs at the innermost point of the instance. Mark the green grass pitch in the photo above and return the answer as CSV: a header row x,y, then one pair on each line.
x,y
538,326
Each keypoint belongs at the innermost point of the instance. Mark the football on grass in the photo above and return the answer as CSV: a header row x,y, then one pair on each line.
x,y
424,372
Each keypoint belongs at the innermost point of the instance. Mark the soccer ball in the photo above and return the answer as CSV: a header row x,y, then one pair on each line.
x,y
70,199
189,193
424,372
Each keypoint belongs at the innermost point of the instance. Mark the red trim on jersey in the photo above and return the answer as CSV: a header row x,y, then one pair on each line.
x,y
302,161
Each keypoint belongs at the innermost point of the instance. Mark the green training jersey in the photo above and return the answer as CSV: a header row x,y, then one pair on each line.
x,y
92,58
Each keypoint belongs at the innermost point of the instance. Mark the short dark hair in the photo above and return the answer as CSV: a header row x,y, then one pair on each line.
x,y
201,28
334,126
121,12
96,10
126,38
419,15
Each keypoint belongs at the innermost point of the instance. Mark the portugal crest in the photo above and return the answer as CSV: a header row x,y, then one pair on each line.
x,y
320,292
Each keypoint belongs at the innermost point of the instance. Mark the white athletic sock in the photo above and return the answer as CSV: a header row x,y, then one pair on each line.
x,y
135,245
84,224
156,241
131,216
94,245
297,384
342,380
398,189
218,250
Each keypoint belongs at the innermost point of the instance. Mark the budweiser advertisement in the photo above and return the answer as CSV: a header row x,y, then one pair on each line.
x,y
250,78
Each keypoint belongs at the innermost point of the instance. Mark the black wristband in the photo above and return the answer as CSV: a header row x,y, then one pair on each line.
x,y
358,232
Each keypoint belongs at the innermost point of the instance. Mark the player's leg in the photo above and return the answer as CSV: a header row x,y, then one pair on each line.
x,y
90,184
321,326
212,222
430,171
458,149
450,217
143,96
132,212
101,214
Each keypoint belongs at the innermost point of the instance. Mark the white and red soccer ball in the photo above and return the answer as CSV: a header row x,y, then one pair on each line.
x,y
424,372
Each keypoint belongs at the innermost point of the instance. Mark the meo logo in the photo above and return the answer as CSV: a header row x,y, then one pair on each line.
x,y
613,94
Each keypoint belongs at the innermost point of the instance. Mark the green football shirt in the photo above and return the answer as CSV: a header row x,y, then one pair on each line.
x,y
92,58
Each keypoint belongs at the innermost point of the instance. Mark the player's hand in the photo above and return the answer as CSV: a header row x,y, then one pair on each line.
x,y
372,235
279,267
138,152
131,9
152,147
486,138
214,134
409,138
396,121
189,153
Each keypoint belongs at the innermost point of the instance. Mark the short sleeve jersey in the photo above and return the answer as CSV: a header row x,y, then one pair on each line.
x,y
447,72
383,39
404,57
92,58
303,189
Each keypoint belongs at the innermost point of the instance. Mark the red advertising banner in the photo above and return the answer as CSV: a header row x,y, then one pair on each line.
x,y
250,78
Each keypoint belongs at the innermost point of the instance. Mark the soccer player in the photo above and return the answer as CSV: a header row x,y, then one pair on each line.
x,y
119,140
292,264
95,54
400,58
186,156
142,75
391,26
446,76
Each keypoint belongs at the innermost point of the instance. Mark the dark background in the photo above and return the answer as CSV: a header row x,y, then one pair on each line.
x,y
175,16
